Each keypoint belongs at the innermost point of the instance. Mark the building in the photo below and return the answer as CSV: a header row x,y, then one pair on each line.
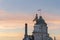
x,y
40,31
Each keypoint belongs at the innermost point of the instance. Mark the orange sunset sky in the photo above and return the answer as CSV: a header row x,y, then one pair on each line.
x,y
15,13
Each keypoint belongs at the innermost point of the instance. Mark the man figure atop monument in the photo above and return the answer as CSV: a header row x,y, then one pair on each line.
x,y
36,19
39,20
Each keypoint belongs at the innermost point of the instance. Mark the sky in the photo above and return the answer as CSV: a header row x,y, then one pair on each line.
x,y
15,13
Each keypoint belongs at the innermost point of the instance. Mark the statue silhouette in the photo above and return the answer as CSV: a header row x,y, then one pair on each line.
x,y
36,19
39,20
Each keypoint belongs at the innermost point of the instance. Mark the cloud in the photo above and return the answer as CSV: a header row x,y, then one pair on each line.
x,y
13,20
55,35
12,36
8,34
1,0
16,20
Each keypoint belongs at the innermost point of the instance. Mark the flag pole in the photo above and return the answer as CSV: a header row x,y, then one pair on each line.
x,y
39,10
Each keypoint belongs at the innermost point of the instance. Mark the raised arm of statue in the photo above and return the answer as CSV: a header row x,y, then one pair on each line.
x,y
36,18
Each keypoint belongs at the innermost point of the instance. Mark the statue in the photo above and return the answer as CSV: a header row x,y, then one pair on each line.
x,y
36,19
39,20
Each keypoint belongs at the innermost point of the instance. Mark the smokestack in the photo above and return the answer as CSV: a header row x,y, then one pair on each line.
x,y
54,38
26,29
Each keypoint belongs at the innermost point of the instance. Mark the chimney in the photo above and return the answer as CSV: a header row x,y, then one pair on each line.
x,y
54,38
26,29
